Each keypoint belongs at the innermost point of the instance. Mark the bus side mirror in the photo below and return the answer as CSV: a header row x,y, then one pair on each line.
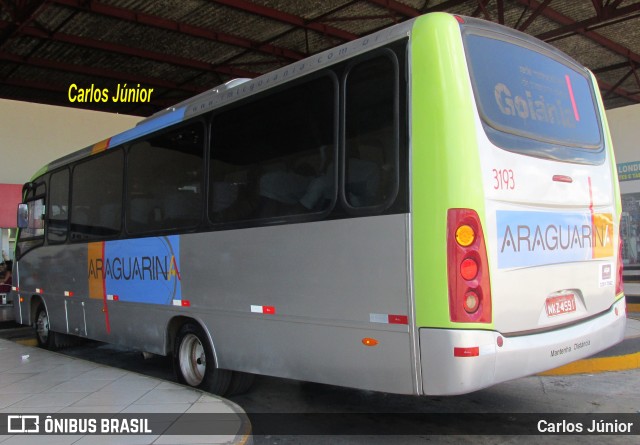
x,y
23,216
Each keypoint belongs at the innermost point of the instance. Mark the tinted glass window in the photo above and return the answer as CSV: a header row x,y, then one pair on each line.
x,y
164,180
96,198
371,132
526,93
32,219
58,207
275,156
35,219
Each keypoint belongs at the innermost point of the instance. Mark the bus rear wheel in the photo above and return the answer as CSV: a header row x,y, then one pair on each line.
x,y
194,363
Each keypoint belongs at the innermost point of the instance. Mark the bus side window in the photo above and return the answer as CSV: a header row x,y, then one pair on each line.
x,y
32,216
273,157
164,180
96,197
371,133
57,223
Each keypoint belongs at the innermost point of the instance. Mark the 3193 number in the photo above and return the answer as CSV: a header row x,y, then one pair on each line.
x,y
503,179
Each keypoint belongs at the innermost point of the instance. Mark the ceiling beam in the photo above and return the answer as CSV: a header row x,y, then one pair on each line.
x,y
534,15
444,6
571,27
482,8
400,8
615,66
604,86
284,17
601,40
131,16
135,52
617,84
21,16
500,11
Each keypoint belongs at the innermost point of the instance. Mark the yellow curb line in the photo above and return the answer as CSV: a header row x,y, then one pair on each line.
x,y
28,342
597,365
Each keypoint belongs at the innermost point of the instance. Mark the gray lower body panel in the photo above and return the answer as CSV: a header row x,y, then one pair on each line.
x,y
293,301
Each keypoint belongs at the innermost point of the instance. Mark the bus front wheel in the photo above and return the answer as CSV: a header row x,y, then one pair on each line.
x,y
194,363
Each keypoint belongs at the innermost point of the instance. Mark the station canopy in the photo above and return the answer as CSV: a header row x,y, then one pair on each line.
x,y
182,48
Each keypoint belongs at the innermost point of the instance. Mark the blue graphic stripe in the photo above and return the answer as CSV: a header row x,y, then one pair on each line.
x,y
143,270
148,127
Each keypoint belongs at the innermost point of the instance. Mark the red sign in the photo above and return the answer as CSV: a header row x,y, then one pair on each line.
x,y
10,197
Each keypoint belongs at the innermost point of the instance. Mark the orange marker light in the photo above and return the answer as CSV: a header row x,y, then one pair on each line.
x,y
369,341
465,235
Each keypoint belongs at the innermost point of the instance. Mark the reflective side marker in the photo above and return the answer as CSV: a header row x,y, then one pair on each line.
x,y
68,293
39,291
466,352
271,310
113,298
388,318
183,303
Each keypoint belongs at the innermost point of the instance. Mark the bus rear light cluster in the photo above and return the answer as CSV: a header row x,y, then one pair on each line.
x,y
468,268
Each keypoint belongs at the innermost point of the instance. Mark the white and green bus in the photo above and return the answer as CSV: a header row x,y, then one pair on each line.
x,y
431,209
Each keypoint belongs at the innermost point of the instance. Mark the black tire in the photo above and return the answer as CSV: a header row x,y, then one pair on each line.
x,y
194,363
240,383
46,338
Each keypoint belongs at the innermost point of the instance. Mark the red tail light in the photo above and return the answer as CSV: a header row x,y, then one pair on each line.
x,y
619,282
468,268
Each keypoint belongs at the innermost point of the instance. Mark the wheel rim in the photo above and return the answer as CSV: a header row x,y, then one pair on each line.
x,y
42,327
193,362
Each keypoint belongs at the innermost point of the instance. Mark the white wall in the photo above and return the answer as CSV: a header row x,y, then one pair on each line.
x,y
32,135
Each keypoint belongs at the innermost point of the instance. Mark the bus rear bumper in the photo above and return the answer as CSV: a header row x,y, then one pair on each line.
x,y
456,361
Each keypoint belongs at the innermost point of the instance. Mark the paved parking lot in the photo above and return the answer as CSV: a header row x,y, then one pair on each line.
x,y
355,414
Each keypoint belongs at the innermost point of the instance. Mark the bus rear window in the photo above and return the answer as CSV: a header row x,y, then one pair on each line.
x,y
532,102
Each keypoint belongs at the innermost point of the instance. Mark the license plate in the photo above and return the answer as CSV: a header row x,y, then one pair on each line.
x,y
562,304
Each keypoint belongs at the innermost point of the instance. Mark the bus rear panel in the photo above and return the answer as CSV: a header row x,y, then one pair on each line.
x,y
530,216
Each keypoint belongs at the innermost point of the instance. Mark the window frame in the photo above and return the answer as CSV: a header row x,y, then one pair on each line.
x,y
33,186
203,122
351,210
50,206
92,238
280,219
24,245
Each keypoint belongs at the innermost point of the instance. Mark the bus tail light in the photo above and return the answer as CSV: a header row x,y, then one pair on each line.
x,y
619,278
471,302
467,268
